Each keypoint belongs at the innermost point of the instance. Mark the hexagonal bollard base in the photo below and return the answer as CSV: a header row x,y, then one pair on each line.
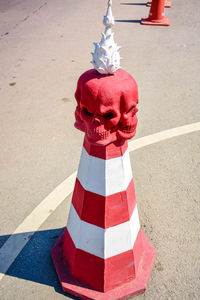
x,y
124,291
163,22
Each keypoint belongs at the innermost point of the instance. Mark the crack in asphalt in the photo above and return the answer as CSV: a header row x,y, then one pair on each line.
x,y
24,20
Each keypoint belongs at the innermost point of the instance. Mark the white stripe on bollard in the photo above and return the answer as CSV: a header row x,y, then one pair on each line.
x,y
101,242
104,177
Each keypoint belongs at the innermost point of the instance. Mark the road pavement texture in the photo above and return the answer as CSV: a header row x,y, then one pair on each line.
x,y
44,47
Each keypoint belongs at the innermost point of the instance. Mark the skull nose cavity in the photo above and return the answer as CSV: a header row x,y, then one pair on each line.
x,y
96,121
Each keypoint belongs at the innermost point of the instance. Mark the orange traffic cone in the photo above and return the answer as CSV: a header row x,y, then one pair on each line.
x,y
168,4
156,15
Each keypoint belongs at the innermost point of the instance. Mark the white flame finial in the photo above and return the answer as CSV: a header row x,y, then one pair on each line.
x,y
106,57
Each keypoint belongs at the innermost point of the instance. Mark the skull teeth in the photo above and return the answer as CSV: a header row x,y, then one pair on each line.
x,y
103,135
98,133
128,129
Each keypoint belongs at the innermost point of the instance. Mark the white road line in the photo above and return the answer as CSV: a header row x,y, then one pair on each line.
x,y
162,135
20,237
17,241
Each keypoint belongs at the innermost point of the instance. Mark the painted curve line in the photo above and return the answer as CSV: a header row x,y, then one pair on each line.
x,y
23,233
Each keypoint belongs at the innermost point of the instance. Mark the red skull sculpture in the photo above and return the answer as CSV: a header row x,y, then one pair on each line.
x,y
106,106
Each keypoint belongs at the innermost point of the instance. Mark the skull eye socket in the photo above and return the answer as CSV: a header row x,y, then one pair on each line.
x,y
87,112
109,116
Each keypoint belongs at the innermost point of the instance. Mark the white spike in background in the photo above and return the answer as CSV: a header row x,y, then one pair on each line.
x,y
106,57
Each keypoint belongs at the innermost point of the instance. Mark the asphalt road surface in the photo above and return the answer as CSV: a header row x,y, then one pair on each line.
x,y
45,46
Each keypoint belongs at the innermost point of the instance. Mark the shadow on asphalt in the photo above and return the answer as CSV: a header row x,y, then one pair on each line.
x,y
128,21
34,262
133,4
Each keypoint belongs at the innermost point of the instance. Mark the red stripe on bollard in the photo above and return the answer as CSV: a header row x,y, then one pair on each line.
x,y
103,211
